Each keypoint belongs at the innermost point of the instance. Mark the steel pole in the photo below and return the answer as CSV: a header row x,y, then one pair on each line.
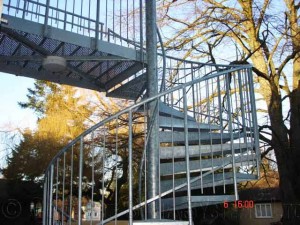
x,y
152,90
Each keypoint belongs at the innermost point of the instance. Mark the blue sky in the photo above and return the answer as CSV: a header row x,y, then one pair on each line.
x,y
12,90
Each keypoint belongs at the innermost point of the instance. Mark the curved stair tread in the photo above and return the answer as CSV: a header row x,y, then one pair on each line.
x,y
166,169
196,137
177,124
204,150
211,180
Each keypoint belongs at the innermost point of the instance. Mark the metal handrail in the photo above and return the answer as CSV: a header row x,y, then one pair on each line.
x,y
234,126
141,103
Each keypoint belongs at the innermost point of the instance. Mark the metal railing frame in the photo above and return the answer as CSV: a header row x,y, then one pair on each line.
x,y
182,88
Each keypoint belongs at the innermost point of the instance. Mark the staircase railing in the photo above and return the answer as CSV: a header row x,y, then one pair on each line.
x,y
102,164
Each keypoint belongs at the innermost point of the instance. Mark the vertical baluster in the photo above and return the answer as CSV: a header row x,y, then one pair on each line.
x,y
113,28
199,120
71,183
106,10
173,160
32,11
57,14
141,29
57,186
187,157
133,19
63,186
145,155
254,117
45,197
37,9
208,95
24,9
103,171
57,179
227,83
27,7
248,112
249,138
81,12
80,181
116,168
46,212
93,173
221,129
243,103
89,17
235,109
193,92
73,13
158,172
130,169
50,194
65,16
120,25
97,24
8,7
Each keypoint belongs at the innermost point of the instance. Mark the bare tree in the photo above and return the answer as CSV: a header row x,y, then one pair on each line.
x,y
266,34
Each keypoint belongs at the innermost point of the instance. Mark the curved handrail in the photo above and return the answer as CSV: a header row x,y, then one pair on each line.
x,y
218,87
143,102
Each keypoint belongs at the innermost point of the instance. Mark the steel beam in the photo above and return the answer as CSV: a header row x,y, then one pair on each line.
x,y
68,58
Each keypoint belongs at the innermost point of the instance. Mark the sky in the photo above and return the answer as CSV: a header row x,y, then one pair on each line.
x,y
13,89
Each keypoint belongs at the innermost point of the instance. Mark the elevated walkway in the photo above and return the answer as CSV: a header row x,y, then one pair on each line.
x,y
92,60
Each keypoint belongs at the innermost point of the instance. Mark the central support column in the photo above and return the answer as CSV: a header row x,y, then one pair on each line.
x,y
152,173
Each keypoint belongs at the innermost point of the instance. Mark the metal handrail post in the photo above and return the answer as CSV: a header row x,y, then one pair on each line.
x,y
227,81
46,17
254,119
80,181
130,169
187,157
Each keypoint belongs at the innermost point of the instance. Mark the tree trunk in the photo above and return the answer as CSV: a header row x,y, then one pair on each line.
x,y
287,155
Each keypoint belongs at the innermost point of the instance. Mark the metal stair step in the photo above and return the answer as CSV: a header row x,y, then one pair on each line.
x,y
195,138
206,150
210,180
130,90
123,75
165,110
166,169
196,201
177,124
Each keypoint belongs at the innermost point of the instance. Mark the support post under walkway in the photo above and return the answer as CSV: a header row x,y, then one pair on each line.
x,y
152,89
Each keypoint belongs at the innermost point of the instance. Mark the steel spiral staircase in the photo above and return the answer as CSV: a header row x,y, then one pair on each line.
x,y
206,131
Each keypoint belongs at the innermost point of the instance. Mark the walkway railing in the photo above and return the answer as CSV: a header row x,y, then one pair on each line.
x,y
96,19
102,164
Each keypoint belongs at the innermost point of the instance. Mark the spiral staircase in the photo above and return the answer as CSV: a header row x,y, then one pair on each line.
x,y
206,132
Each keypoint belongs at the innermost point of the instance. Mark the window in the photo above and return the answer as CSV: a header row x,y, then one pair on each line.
x,y
263,210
